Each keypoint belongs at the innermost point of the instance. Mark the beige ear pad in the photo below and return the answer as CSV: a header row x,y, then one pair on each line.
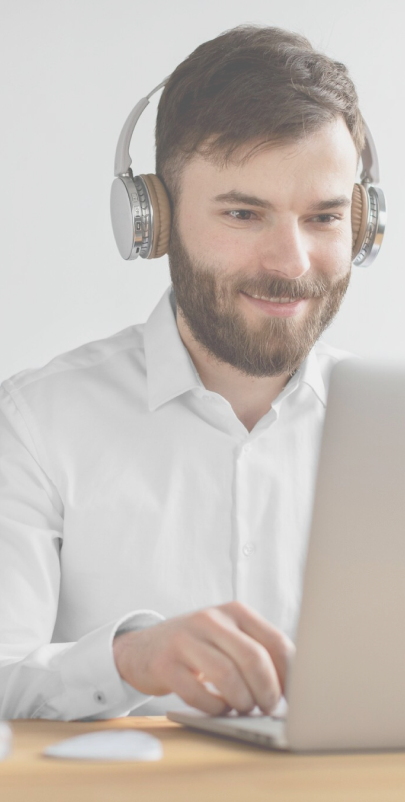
x,y
162,216
359,217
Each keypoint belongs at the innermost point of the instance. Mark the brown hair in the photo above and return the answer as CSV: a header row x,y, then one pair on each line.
x,y
250,83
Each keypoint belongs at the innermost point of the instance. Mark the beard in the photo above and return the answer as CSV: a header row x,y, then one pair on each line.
x,y
208,301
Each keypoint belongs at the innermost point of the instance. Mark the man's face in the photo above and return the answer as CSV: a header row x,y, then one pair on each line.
x,y
260,252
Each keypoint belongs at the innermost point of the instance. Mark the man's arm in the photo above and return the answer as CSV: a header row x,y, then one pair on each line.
x,y
39,678
230,647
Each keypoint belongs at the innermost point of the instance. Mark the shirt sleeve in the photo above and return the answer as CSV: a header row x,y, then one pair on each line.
x,y
40,679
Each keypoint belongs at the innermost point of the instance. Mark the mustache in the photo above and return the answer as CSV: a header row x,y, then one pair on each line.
x,y
276,287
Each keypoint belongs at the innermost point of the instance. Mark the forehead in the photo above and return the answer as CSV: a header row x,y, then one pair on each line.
x,y
321,160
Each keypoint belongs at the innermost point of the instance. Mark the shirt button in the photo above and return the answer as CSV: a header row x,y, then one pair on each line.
x,y
247,448
248,548
99,697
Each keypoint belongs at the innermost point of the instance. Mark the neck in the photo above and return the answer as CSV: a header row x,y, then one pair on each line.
x,y
250,396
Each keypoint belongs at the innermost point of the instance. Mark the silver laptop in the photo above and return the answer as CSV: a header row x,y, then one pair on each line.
x,y
346,686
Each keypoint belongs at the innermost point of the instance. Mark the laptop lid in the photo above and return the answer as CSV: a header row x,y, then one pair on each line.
x,y
347,684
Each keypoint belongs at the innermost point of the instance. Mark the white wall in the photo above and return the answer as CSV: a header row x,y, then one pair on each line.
x,y
70,71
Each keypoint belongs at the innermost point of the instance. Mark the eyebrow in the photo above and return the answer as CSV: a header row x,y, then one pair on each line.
x,y
240,197
253,200
333,203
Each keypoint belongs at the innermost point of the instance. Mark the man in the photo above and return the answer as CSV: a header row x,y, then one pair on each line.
x,y
168,471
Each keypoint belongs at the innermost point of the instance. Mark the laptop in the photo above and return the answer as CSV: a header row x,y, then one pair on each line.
x,y
346,685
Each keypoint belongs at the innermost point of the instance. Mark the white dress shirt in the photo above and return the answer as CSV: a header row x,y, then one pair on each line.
x,y
129,493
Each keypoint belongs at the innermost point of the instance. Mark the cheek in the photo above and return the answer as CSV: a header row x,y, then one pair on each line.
x,y
335,254
215,244
190,230
231,245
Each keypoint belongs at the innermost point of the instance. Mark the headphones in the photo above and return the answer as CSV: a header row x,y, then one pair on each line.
x,y
141,214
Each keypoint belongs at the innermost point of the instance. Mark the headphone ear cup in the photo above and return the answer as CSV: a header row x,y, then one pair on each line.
x,y
360,204
162,216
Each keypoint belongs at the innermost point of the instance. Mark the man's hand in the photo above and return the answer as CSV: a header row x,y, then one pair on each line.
x,y
231,646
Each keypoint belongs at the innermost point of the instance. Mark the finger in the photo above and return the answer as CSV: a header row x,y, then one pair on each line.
x,y
280,648
252,660
218,668
194,693
255,666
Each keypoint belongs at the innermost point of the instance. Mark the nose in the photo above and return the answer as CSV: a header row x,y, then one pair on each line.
x,y
285,249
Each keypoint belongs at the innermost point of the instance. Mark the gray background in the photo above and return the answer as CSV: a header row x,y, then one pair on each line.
x,y
71,70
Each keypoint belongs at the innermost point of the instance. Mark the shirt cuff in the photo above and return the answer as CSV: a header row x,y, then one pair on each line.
x,y
89,674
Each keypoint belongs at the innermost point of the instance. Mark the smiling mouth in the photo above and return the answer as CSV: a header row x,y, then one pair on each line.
x,y
274,300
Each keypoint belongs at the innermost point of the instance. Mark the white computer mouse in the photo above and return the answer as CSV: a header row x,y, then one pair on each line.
x,y
5,739
108,745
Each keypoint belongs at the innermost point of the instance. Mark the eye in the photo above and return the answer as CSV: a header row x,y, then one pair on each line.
x,y
326,218
241,214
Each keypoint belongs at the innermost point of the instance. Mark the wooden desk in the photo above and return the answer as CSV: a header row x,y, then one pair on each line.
x,y
194,768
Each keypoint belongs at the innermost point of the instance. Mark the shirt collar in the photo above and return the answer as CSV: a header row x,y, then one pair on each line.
x,y
310,373
170,370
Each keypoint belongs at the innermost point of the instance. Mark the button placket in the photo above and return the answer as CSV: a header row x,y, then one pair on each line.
x,y
246,551
248,548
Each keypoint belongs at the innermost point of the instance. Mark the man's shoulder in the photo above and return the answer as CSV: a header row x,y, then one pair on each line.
x,y
84,359
328,354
